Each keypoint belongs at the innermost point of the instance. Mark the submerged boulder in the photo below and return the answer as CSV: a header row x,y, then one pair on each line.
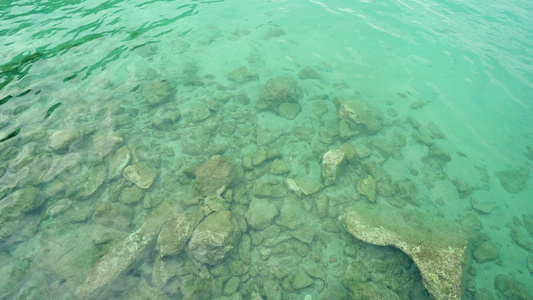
x,y
360,116
437,246
213,177
279,90
260,213
332,162
140,174
514,181
157,92
214,237
175,234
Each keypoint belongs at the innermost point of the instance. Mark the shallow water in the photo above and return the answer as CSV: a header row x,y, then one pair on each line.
x,y
92,92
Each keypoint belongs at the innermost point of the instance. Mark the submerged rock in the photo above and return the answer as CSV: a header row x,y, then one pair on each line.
x,y
359,115
112,264
485,207
140,174
292,214
21,201
260,213
514,181
213,177
131,195
165,119
95,179
289,110
60,140
307,185
158,92
510,288
214,237
301,279
367,186
105,144
332,162
278,90
118,162
487,251
438,247
241,75
279,167
175,233
308,73
124,256
268,188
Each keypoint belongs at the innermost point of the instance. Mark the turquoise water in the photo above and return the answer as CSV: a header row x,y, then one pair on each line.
x,y
112,114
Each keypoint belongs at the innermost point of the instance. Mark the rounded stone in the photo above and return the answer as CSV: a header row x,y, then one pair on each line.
x,y
214,237
487,251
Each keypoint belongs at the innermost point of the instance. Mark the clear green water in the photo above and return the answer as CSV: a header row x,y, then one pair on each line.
x,y
83,82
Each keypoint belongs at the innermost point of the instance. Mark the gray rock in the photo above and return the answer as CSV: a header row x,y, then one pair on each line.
x,y
279,167
158,92
140,174
115,262
96,177
60,164
198,112
214,203
20,202
259,157
105,144
292,215
195,140
528,223
272,289
322,205
264,188
118,162
260,213
131,195
308,73
359,115
241,75
175,233
165,119
214,176
278,90
274,31
214,237
485,207
307,185
514,181
289,110
301,279
332,162
305,234
487,251
115,215
438,247
529,261
463,188
320,108
367,186
510,288
232,285
196,288
61,139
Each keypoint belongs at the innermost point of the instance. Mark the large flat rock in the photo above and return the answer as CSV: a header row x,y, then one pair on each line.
x,y
437,246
